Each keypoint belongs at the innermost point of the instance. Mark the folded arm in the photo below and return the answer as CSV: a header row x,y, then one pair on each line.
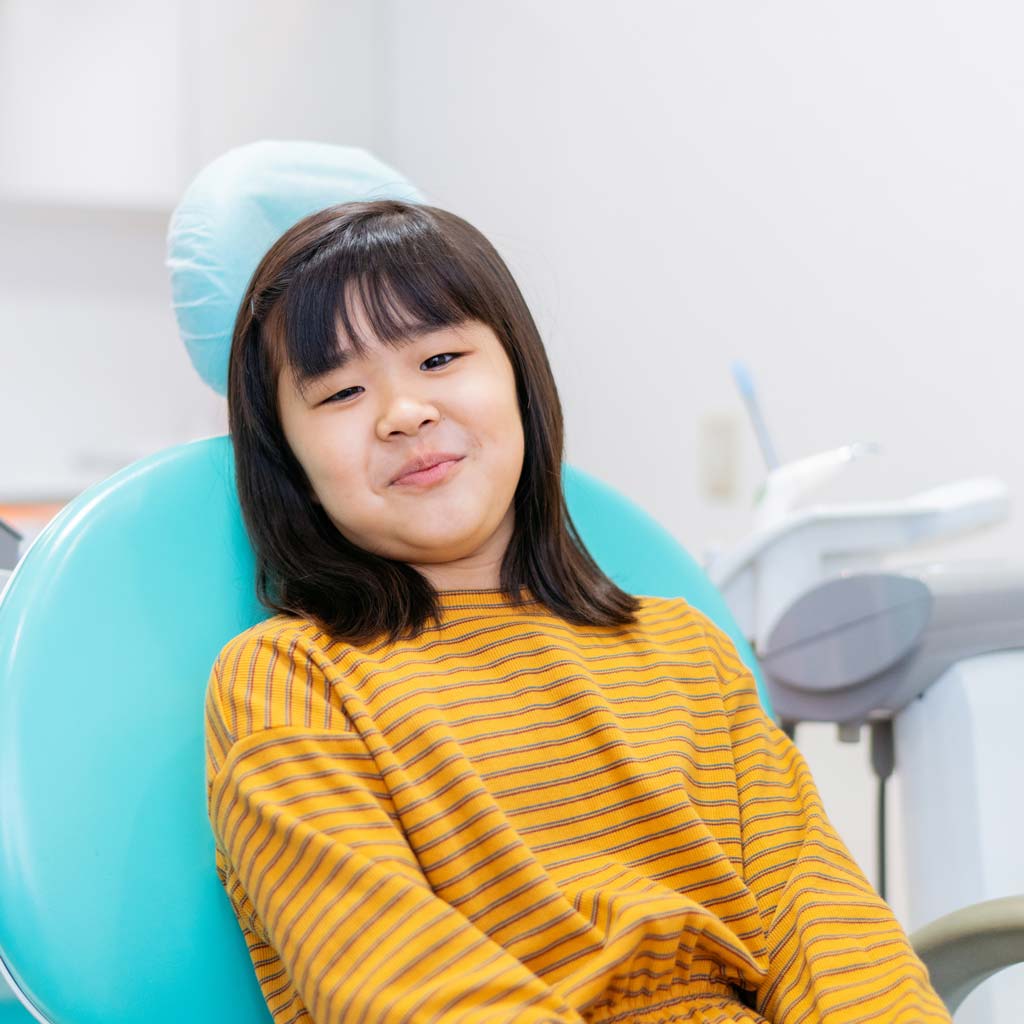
x,y
327,889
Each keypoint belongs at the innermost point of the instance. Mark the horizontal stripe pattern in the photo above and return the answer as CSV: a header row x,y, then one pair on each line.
x,y
515,818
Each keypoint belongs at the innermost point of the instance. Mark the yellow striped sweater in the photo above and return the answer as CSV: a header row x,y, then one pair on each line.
x,y
516,820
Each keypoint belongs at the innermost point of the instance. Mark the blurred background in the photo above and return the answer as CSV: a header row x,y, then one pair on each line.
x,y
830,192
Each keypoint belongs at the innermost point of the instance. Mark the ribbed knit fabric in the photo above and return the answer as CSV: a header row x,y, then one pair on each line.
x,y
516,820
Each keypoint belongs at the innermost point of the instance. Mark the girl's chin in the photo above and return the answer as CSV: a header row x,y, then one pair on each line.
x,y
439,548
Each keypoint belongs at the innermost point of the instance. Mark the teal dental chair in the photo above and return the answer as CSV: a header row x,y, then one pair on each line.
x,y
110,909
112,912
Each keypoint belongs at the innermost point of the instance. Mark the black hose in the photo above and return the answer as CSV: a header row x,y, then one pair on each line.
x,y
882,760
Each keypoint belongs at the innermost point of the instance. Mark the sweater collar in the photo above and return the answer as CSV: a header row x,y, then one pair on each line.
x,y
489,597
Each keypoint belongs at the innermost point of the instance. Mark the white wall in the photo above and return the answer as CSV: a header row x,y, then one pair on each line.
x,y
829,191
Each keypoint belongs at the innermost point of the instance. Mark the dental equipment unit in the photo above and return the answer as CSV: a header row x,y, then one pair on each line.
x,y
930,656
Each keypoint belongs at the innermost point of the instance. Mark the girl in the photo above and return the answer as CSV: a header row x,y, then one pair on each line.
x,y
461,777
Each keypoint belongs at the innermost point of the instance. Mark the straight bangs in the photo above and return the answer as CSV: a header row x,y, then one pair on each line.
x,y
405,281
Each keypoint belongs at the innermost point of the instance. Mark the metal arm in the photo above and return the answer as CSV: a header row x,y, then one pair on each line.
x,y
969,945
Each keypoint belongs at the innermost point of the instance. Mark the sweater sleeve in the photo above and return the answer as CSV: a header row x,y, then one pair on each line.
x,y
323,876
837,954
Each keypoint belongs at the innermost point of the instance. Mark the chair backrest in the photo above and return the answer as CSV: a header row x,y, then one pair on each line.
x,y
111,911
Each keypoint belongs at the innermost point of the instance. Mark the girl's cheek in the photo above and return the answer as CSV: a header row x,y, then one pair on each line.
x,y
489,397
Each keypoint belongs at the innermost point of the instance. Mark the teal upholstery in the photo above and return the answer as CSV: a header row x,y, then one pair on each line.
x,y
112,912
11,1011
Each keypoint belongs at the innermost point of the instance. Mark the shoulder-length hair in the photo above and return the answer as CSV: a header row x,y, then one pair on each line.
x,y
411,265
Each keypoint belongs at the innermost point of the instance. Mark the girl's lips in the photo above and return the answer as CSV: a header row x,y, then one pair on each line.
x,y
429,476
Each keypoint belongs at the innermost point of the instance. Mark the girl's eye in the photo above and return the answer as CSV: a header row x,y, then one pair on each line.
x,y
335,397
454,355
340,396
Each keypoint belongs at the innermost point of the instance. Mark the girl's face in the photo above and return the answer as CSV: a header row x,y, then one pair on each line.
x,y
451,390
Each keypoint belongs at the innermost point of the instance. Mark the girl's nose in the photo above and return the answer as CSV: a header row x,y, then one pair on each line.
x,y
406,414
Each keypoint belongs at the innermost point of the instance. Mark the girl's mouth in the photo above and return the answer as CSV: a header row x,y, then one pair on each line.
x,y
429,476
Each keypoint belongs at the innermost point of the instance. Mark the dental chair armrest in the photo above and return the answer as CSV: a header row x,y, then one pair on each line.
x,y
969,945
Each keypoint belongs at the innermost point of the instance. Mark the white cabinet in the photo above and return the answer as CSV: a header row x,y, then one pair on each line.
x,y
90,102
108,108
117,103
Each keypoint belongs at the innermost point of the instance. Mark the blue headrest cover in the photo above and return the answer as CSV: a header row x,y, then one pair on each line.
x,y
234,211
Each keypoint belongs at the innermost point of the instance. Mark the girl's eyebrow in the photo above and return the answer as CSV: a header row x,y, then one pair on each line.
x,y
340,357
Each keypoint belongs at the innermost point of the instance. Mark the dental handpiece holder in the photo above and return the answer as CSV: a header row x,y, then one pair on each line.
x,y
791,550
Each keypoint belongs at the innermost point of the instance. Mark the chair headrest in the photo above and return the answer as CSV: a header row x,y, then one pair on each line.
x,y
234,211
